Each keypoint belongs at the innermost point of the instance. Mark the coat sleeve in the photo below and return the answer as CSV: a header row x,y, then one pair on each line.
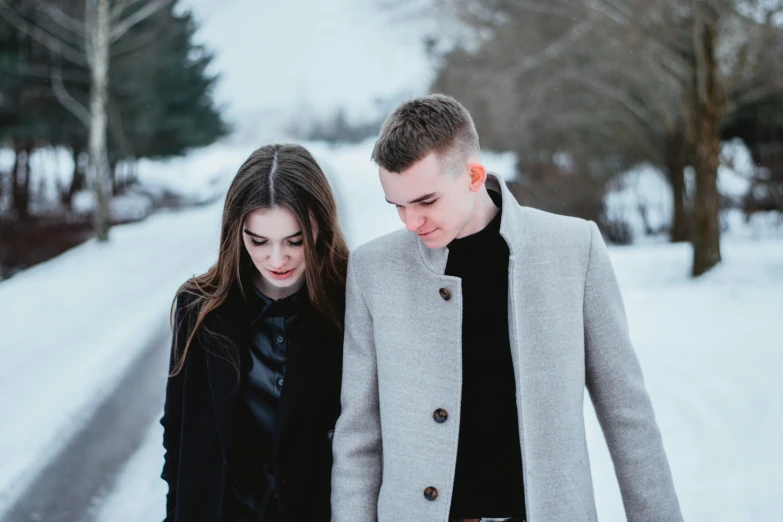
x,y
616,387
357,449
172,411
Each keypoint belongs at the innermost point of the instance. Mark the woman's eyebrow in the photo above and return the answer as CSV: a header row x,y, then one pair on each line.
x,y
249,233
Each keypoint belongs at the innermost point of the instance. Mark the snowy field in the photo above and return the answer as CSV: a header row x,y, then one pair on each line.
x,y
710,349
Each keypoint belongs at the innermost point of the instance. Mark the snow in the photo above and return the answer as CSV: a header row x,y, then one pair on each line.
x,y
711,354
72,325
710,348
51,167
736,169
133,206
137,495
199,177
645,186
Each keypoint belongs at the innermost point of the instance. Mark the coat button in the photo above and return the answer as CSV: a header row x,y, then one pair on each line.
x,y
280,382
440,415
330,435
430,493
445,294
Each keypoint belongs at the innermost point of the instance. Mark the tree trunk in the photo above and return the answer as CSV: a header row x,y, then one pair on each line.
x,y
20,183
28,177
129,172
709,111
16,197
98,165
78,182
675,167
3,181
113,181
120,177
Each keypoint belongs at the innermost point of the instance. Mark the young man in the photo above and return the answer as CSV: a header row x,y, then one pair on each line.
x,y
469,340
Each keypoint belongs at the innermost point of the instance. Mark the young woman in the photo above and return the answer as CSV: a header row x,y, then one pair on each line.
x,y
254,388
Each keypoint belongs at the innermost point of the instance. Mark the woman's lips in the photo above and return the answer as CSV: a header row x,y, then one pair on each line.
x,y
281,275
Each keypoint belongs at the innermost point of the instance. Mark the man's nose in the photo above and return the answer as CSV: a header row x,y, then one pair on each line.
x,y
413,220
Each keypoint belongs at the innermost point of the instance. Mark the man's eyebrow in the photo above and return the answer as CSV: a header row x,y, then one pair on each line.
x,y
249,233
425,197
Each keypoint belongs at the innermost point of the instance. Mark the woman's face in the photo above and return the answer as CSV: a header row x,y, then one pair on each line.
x,y
274,241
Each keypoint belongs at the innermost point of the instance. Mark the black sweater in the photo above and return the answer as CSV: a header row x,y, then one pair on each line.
x,y
488,479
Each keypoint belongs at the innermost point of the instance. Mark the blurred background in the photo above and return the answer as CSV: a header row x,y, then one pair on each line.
x,y
122,122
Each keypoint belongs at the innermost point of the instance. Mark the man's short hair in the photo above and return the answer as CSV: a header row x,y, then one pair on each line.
x,y
434,123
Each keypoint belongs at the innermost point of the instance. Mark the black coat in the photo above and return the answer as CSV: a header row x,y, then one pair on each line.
x,y
201,408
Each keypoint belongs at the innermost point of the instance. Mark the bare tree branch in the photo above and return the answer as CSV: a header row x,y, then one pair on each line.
x,y
139,16
701,58
552,52
545,7
40,35
118,129
43,71
69,102
611,11
137,44
554,8
631,22
754,95
604,89
119,8
90,22
63,20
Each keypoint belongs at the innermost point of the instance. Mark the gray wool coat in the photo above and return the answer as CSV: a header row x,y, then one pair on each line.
x,y
567,330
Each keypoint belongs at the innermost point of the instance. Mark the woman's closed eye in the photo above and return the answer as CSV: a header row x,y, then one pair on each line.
x,y
265,242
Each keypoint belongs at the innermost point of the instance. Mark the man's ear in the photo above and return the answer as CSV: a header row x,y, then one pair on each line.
x,y
478,176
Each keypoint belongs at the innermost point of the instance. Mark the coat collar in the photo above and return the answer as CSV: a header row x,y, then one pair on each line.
x,y
512,228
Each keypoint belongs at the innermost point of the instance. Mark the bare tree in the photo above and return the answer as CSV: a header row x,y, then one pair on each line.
x,y
84,38
717,53
643,80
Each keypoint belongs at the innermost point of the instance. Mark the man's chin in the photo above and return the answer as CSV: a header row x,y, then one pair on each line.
x,y
435,242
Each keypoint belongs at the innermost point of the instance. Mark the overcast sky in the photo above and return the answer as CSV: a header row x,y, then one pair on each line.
x,y
290,56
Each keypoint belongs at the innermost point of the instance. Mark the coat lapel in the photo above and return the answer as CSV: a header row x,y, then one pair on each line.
x,y
223,359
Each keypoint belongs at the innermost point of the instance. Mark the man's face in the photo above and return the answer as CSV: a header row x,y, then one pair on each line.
x,y
432,203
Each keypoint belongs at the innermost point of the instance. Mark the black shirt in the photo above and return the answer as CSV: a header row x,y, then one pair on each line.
x,y
254,484
488,478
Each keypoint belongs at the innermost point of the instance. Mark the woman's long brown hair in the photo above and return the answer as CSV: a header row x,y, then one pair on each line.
x,y
275,175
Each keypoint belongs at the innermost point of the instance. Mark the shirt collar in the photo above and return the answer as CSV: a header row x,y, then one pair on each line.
x,y
264,306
